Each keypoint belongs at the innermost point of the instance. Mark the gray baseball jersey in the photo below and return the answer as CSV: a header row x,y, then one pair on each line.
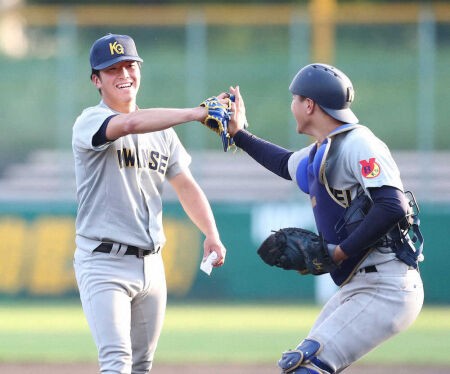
x,y
119,184
119,187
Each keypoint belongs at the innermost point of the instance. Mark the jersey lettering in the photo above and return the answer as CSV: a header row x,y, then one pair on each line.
x,y
163,164
344,196
151,159
126,158
153,162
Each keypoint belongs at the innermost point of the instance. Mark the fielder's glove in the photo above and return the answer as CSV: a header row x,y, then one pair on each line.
x,y
218,118
298,249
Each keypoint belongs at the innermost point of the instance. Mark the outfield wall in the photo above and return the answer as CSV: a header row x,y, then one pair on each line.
x,y
37,247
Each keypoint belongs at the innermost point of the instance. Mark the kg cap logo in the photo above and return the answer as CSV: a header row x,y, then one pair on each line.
x,y
370,169
116,48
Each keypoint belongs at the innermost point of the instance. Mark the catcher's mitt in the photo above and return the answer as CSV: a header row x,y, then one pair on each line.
x,y
217,119
298,249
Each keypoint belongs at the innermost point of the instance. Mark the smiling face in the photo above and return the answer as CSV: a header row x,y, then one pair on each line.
x,y
119,85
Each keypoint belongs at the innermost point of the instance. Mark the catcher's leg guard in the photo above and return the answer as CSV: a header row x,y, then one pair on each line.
x,y
303,359
304,370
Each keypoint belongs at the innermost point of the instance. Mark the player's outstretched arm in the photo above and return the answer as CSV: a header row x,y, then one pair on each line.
x,y
269,155
198,209
153,119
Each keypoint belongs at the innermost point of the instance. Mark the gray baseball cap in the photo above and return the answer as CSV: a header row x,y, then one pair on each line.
x,y
112,48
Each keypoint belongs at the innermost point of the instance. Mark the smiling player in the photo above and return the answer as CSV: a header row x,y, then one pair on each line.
x,y
123,155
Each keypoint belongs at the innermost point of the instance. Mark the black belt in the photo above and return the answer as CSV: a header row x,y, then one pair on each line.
x,y
373,269
368,269
131,250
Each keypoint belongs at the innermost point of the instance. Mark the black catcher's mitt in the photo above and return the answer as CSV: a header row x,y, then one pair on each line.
x,y
298,249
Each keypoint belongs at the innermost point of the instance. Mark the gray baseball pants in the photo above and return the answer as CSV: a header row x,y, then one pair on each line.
x,y
369,309
124,301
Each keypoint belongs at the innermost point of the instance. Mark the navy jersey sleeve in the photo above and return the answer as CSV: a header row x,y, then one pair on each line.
x,y
389,207
99,137
269,155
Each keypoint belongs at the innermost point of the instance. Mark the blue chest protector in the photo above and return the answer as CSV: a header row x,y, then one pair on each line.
x,y
311,179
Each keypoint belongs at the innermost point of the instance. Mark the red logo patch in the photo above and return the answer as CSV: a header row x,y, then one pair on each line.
x,y
370,169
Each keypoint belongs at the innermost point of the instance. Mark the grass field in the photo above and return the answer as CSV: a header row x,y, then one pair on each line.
x,y
31,332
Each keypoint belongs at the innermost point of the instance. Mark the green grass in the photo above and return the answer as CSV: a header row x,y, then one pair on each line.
x,y
39,332
427,341
207,333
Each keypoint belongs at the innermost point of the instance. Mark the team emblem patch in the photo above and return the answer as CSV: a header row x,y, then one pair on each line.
x,y
370,169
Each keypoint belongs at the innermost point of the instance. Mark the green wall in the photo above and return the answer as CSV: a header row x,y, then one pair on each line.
x,y
435,224
38,242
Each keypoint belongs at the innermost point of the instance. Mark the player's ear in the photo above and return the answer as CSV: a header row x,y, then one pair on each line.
x,y
95,79
310,104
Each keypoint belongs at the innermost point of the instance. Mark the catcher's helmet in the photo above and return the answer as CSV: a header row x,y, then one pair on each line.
x,y
327,86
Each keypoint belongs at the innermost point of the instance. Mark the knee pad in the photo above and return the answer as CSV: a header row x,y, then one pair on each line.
x,y
303,360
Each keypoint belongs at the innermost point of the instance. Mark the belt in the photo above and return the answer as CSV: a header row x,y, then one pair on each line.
x,y
368,269
373,269
131,250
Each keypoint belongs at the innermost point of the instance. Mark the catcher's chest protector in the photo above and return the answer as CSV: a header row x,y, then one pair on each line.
x,y
311,179
326,211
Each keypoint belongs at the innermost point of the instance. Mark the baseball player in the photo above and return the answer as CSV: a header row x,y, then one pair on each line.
x,y
381,291
123,154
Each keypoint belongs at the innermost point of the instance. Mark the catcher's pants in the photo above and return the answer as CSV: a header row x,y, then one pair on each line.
x,y
124,301
371,308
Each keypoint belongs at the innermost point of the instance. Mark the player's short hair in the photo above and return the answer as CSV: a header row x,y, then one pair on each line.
x,y
97,73
94,72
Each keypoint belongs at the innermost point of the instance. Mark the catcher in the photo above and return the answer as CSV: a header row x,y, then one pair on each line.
x,y
369,238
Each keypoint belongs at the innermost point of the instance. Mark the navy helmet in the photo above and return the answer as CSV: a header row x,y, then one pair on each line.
x,y
329,87
112,48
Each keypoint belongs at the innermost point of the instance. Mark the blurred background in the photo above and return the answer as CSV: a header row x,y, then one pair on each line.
x,y
397,55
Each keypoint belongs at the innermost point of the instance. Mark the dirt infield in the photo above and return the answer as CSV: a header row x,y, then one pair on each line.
x,y
208,369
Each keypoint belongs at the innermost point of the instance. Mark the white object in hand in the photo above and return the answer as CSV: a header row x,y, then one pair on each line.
x,y
206,265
